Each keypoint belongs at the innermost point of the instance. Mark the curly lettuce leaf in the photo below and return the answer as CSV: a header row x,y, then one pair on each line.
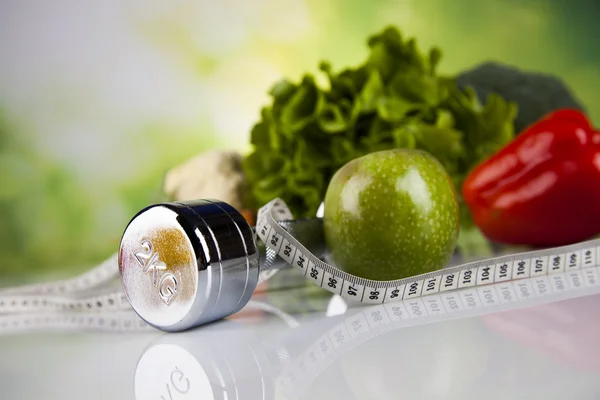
x,y
394,99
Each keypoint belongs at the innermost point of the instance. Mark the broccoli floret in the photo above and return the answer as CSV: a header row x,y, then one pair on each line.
x,y
536,94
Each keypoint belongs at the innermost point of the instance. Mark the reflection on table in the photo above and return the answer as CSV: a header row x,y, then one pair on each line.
x,y
381,351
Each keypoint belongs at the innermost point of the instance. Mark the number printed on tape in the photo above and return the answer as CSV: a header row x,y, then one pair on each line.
x,y
449,282
521,269
300,261
432,285
332,282
503,272
413,289
394,293
275,239
557,263
288,251
315,273
353,291
374,295
467,278
589,258
485,274
264,231
574,260
539,266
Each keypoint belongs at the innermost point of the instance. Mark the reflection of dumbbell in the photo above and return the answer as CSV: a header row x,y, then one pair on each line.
x,y
206,364
190,263
223,361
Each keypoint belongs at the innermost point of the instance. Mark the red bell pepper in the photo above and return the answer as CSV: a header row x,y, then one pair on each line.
x,y
543,188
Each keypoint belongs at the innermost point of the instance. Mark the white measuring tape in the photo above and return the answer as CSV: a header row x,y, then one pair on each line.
x,y
92,291
87,301
80,293
532,264
114,321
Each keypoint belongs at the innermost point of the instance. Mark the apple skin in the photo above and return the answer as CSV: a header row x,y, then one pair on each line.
x,y
390,215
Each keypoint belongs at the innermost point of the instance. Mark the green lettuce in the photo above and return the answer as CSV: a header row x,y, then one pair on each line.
x,y
395,99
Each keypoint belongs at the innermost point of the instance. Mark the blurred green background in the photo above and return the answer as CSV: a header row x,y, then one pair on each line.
x,y
99,99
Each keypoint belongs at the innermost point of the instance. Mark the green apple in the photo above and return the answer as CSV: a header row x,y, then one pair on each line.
x,y
390,215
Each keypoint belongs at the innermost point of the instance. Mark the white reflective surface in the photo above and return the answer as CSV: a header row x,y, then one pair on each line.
x,y
301,343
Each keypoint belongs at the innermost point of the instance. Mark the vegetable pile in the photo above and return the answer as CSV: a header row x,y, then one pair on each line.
x,y
394,99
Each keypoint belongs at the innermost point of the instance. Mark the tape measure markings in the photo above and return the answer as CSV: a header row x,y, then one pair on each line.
x,y
18,304
23,300
474,274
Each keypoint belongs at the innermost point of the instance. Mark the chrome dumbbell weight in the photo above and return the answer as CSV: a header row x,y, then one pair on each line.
x,y
184,264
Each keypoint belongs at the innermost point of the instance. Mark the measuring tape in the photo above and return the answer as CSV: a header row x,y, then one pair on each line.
x,y
533,264
94,290
119,321
89,292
